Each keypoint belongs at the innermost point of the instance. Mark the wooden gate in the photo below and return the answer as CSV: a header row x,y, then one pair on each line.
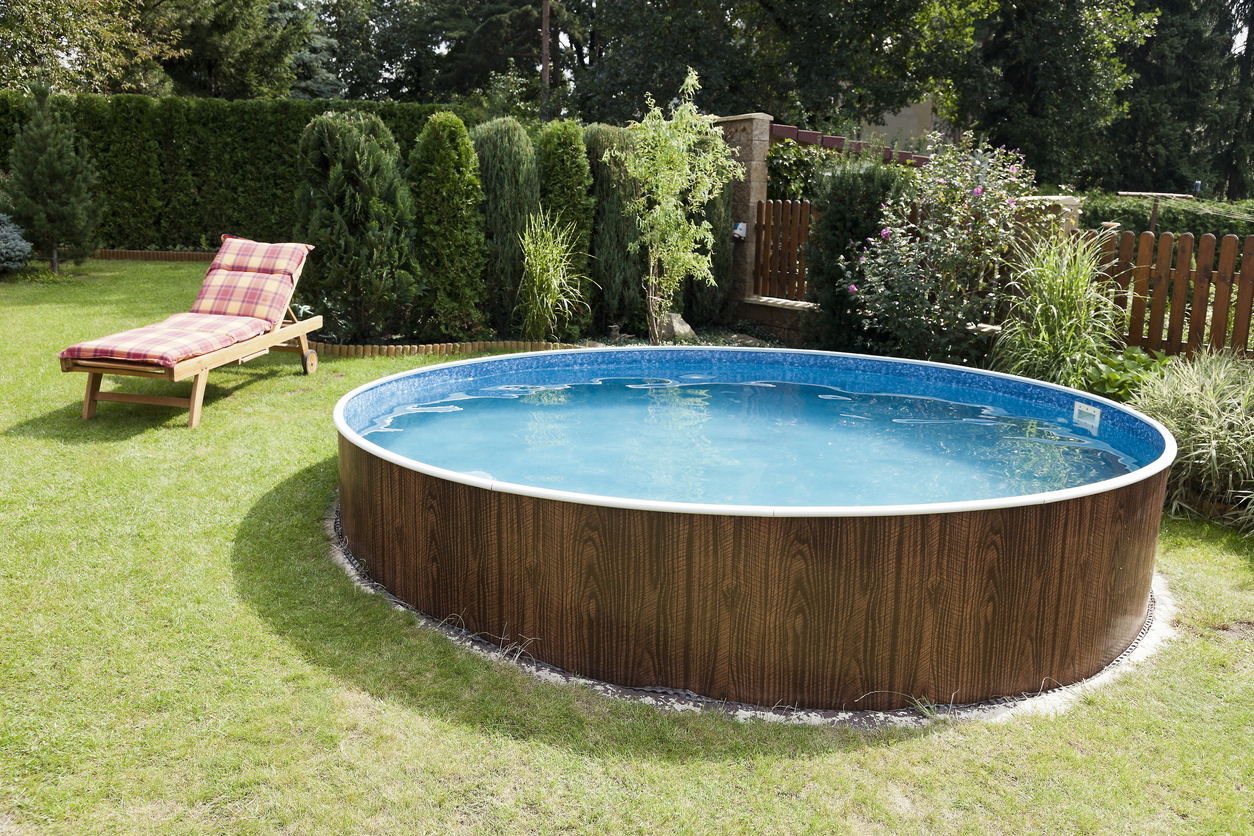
x,y
779,268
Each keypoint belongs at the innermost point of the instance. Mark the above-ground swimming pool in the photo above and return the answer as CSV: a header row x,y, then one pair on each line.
x,y
761,526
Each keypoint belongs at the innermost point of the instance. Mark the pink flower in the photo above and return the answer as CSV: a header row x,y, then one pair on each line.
x,y
853,288
884,233
1014,169
1012,201
979,190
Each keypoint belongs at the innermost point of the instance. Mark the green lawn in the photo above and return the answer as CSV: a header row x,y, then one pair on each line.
x,y
178,654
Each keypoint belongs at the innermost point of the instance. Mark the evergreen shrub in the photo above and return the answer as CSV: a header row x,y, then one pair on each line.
x,y
846,213
51,190
355,208
443,178
14,249
709,304
178,172
617,269
566,194
511,195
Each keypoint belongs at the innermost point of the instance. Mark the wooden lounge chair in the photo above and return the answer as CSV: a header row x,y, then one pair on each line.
x,y
242,312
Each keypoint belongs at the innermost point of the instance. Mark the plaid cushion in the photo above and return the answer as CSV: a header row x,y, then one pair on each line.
x,y
240,328
248,278
150,344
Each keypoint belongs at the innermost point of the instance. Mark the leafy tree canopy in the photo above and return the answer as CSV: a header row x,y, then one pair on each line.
x,y
75,44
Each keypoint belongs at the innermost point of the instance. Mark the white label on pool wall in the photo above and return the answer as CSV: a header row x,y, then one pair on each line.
x,y
756,443
1087,417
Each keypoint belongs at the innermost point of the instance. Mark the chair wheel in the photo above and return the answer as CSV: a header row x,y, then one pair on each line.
x,y
309,361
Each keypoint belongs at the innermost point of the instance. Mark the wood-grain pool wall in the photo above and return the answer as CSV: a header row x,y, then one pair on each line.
x,y
859,612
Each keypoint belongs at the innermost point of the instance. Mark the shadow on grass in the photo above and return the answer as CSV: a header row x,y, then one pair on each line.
x,y
283,570
116,421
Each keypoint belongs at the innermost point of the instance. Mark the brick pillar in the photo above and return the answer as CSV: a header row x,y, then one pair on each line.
x,y
751,134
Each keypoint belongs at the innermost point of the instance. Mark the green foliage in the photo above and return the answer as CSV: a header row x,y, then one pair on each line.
x,y
1119,375
566,194
72,44
179,172
1166,139
549,296
1044,78
1061,321
511,194
680,164
51,190
709,303
355,208
926,283
14,249
617,265
448,241
796,172
1178,216
848,212
800,61
1207,403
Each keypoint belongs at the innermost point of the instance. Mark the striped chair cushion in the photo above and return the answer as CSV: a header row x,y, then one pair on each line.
x,y
150,344
248,278
240,328
166,343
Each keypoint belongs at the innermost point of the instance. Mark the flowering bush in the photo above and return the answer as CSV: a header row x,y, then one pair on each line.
x,y
934,271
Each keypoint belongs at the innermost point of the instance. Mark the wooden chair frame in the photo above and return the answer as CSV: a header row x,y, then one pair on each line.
x,y
290,335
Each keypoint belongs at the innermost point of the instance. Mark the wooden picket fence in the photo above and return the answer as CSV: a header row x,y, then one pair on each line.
x,y
1178,299
779,267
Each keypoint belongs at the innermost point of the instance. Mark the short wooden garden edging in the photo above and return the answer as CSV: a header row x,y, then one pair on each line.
x,y
505,346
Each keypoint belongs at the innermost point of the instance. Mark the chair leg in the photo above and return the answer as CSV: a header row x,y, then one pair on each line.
x,y
89,399
197,398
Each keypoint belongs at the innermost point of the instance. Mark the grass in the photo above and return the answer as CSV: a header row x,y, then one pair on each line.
x,y
179,655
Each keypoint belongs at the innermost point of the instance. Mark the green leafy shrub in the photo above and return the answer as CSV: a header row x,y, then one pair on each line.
x,y
1061,320
617,265
1119,375
796,172
566,194
933,273
511,195
1207,403
847,214
549,295
355,208
14,249
51,191
443,178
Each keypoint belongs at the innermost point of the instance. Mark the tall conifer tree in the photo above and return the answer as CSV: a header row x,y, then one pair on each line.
x,y
51,193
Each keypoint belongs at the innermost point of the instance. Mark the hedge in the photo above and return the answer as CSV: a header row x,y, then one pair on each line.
x,y
177,172
1178,216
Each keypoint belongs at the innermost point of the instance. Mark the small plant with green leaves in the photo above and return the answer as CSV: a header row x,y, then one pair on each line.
x,y
1061,319
1119,375
1207,403
549,295
680,163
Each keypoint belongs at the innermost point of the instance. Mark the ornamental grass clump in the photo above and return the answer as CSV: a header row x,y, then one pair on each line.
x,y
1207,403
549,296
1062,321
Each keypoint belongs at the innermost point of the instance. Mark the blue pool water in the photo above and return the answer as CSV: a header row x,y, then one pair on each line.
x,y
749,428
